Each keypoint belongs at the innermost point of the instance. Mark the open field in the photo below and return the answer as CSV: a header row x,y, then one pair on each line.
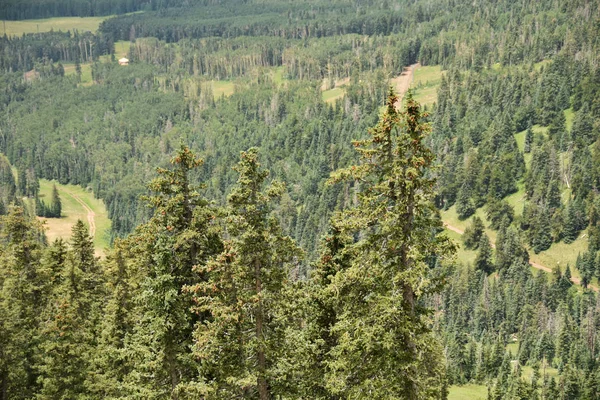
x,y
332,95
82,24
468,392
86,72
426,81
222,88
77,203
122,49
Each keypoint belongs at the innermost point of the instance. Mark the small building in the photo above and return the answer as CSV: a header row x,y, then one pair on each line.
x,y
123,61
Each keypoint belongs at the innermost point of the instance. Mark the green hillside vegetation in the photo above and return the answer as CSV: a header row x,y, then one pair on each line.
x,y
77,203
273,216
468,392
82,24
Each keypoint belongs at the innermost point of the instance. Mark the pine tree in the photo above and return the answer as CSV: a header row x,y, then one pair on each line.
x,y
240,341
528,139
56,204
108,365
179,236
483,260
72,321
383,345
464,205
473,233
22,290
542,234
313,338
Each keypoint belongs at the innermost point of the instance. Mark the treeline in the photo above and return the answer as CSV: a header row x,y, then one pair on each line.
x,y
32,9
299,20
507,32
206,302
330,58
23,53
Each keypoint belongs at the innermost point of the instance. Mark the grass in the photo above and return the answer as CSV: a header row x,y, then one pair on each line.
x,y
468,392
427,76
513,348
426,81
569,116
222,88
464,255
86,72
562,254
527,372
517,199
332,95
559,254
72,211
277,75
122,48
82,24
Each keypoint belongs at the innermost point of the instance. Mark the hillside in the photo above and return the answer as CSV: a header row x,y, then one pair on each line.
x,y
300,200
77,204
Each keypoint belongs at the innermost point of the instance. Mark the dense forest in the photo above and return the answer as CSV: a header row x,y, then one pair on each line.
x,y
270,243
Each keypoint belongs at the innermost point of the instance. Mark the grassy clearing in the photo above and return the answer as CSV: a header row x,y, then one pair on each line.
x,y
82,24
332,95
562,254
559,254
467,392
73,210
517,200
569,116
426,81
86,72
528,372
513,348
277,75
450,216
463,255
122,49
222,88
427,76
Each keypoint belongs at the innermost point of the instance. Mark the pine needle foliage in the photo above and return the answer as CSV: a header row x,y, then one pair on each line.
x,y
384,348
241,340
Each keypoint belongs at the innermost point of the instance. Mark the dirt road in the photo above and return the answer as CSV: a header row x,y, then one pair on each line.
x,y
90,214
535,265
403,81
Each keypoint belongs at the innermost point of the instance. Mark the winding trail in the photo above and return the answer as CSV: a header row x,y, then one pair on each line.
x,y
90,214
535,265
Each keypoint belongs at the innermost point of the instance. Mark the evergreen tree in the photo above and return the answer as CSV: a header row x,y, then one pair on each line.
x,y
542,235
483,260
383,345
528,139
240,341
56,204
22,289
464,205
178,237
108,365
473,233
72,320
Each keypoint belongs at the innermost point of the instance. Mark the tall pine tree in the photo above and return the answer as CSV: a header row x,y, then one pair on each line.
x,y
383,344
